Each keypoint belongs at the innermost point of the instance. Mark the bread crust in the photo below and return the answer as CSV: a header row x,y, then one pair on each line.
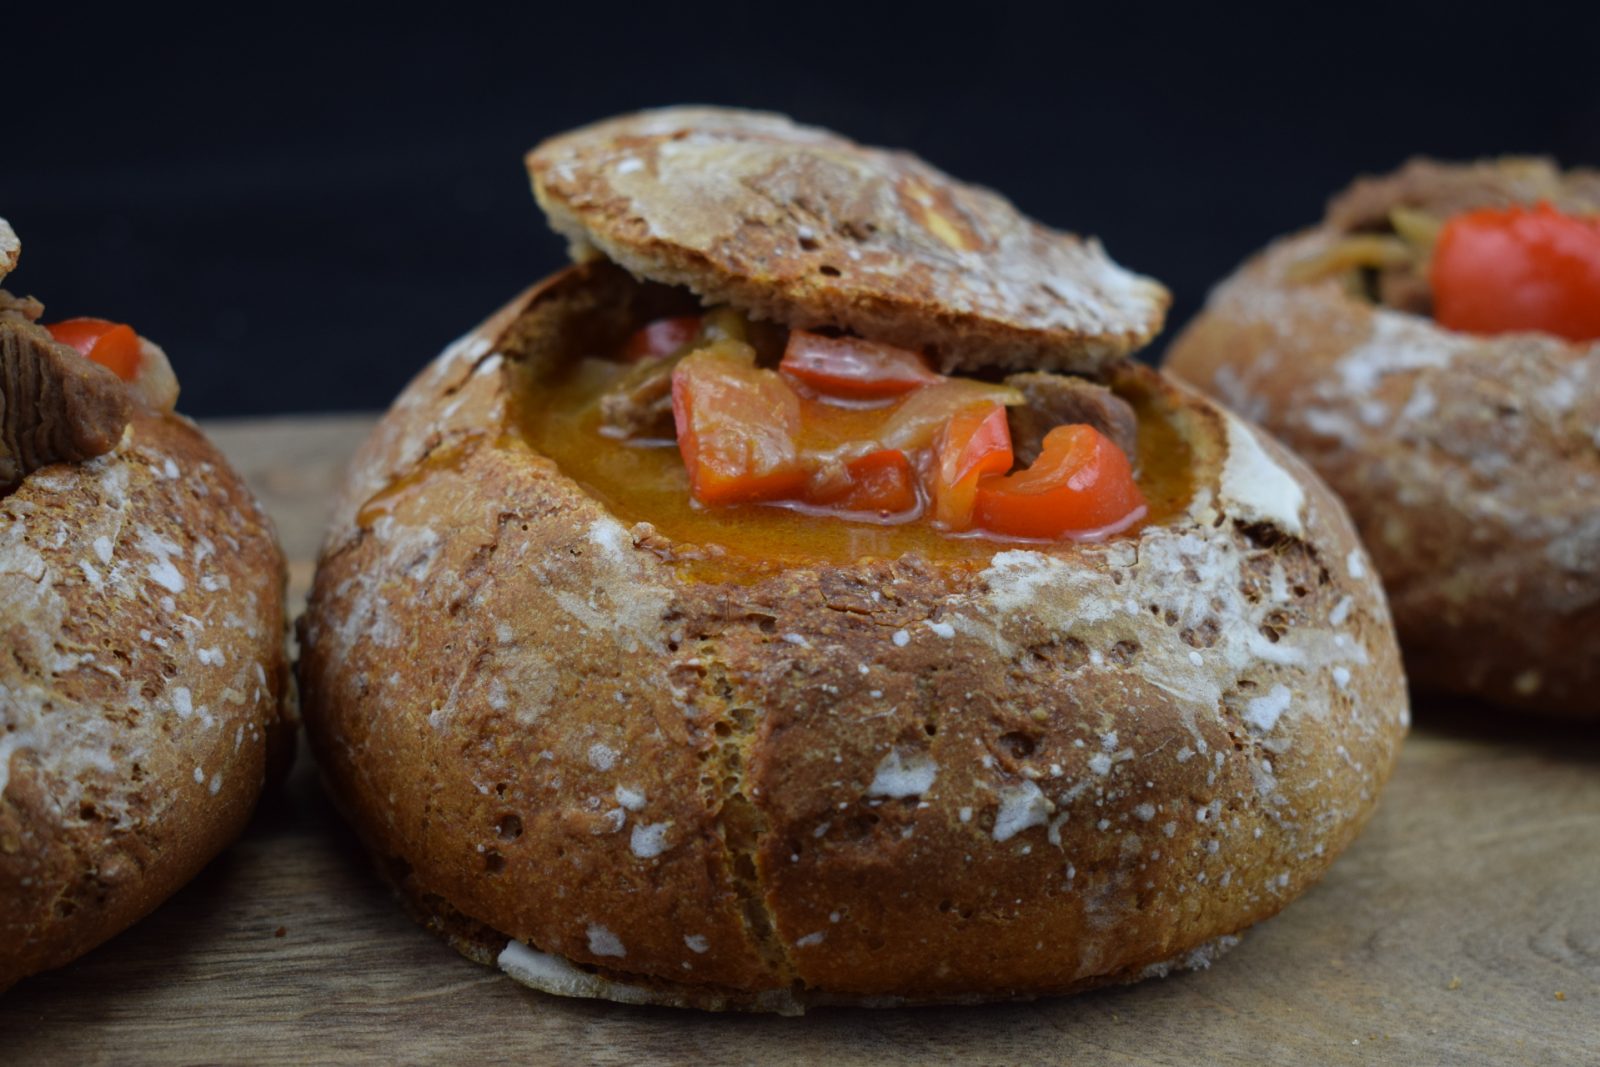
x,y
1471,464
142,677
805,227
895,779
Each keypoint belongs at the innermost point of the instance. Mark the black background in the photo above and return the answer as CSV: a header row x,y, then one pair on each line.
x,y
303,207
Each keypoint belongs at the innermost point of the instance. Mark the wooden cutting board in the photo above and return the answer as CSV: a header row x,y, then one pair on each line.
x,y
1462,928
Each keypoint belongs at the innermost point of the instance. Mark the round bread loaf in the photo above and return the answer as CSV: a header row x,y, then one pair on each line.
x,y
142,661
1470,463
624,766
141,599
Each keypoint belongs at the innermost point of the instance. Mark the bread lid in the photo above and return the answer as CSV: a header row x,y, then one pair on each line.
x,y
800,225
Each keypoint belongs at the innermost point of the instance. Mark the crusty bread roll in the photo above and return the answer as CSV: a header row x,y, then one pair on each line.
x,y
142,666
618,763
1470,463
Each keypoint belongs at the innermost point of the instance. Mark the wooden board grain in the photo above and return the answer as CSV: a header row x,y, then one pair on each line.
x,y
1462,928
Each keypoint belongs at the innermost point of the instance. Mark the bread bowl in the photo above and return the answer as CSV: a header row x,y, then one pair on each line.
x,y
142,666
762,756
1468,456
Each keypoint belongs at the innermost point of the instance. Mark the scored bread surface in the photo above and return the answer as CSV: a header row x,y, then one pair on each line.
x,y
805,227
141,618
894,779
1470,463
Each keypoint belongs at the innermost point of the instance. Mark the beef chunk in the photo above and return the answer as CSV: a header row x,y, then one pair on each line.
x,y
1405,288
1058,399
55,405
640,404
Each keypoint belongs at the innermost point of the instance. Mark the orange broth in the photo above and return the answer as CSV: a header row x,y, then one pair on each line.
x,y
647,482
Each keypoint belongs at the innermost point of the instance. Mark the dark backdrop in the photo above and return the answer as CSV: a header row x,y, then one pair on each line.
x,y
304,207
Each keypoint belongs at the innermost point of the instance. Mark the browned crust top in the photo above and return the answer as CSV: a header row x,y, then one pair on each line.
x,y
803,226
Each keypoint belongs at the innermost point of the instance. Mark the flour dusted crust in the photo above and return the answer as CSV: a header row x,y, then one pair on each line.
x,y
805,227
889,782
1471,464
142,668
142,663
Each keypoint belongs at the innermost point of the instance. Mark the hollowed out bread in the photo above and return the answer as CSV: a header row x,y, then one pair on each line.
x,y
1471,464
808,228
142,670
583,752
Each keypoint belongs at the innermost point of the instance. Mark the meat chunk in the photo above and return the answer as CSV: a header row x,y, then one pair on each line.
x,y
1405,288
640,404
55,406
1058,399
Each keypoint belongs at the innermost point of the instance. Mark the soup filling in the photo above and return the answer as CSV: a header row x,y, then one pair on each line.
x,y
867,431
1463,250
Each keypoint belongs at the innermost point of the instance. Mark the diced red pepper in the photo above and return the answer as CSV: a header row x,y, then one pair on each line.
x,y
852,368
881,482
736,427
662,337
1081,482
1498,270
975,442
747,436
110,344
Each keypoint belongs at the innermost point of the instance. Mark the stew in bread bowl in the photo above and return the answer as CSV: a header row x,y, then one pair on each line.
x,y
143,671
802,600
1432,348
